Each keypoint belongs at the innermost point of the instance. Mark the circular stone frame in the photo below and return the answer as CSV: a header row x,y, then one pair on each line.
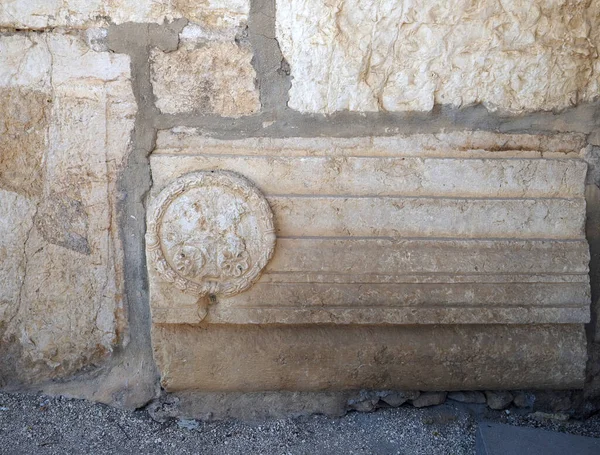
x,y
235,183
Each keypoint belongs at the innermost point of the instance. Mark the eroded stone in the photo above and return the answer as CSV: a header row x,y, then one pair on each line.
x,y
215,78
498,399
429,399
68,314
464,228
467,397
361,55
396,399
257,358
210,233
64,222
77,13
15,225
24,117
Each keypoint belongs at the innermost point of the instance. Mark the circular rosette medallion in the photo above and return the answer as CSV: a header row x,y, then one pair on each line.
x,y
210,232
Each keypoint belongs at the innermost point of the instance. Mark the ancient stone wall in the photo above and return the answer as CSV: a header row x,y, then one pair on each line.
x,y
280,196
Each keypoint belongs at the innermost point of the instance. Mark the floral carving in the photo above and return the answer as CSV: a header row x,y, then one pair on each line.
x,y
210,232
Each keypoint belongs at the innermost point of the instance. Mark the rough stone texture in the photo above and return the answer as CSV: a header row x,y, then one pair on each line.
x,y
513,55
15,225
498,400
429,399
254,358
210,233
214,78
60,251
507,248
467,397
396,399
397,231
523,399
23,140
78,13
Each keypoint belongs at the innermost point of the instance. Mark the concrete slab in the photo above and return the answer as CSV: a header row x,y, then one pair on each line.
x,y
500,439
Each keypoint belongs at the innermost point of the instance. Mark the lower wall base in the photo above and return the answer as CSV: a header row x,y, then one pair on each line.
x,y
334,358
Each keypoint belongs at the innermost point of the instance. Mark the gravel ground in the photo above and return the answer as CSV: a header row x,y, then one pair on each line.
x,y
36,424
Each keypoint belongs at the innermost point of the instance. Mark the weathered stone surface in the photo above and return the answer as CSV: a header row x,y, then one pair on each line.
x,y
429,399
23,139
461,144
382,231
467,397
514,55
253,406
214,78
406,176
498,399
553,401
77,13
364,401
64,256
396,399
401,230
15,225
210,233
523,399
258,358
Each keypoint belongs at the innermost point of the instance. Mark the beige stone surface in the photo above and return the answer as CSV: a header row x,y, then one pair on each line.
x,y
59,165
403,176
16,223
448,229
81,13
510,55
459,144
215,78
428,217
297,358
23,139
210,233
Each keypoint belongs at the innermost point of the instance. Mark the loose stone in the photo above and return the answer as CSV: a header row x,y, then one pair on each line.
x,y
498,399
429,399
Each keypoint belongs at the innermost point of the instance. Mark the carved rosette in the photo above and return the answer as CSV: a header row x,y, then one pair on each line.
x,y
210,233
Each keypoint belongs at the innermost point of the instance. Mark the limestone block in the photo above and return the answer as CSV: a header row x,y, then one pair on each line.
x,y
510,55
210,233
301,358
15,224
215,78
401,230
23,133
64,147
81,13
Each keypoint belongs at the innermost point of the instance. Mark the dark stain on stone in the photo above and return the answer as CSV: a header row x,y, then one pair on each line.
x,y
63,221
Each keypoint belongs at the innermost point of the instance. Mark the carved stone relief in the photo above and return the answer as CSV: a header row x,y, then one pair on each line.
x,y
210,233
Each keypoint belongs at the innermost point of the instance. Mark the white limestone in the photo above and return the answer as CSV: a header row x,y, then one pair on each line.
x,y
511,55
464,228
215,78
69,309
215,14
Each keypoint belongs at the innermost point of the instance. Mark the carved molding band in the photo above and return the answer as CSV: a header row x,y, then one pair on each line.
x,y
210,232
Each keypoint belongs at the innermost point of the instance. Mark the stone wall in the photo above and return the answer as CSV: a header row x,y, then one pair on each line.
x,y
427,166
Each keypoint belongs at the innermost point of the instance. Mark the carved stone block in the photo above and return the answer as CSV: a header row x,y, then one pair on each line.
x,y
468,230
210,233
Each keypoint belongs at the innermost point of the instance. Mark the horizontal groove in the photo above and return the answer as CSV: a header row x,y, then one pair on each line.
x,y
488,306
383,283
280,154
446,198
450,274
437,239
